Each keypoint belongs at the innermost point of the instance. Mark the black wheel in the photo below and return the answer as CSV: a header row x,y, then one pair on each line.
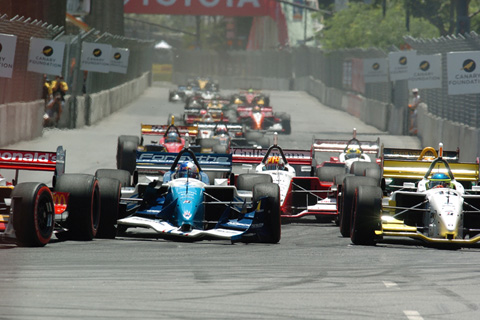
x,y
347,198
272,220
329,173
83,205
127,153
253,136
246,181
287,128
366,215
33,214
338,179
110,193
121,175
264,142
358,168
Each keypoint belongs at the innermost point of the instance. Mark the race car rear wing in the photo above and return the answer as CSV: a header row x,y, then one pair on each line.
x,y
255,156
427,153
149,129
231,127
329,145
33,160
149,162
416,170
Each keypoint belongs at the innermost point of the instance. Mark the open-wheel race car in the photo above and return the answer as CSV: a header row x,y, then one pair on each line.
x,y
186,205
31,212
301,193
250,97
262,118
439,206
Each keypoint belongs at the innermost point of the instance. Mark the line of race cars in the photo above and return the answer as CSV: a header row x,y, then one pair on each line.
x,y
243,195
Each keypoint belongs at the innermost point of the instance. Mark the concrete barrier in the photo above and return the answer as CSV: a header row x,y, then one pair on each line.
x,y
24,120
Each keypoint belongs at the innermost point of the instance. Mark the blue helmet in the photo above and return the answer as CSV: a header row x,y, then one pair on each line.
x,y
439,180
172,137
187,169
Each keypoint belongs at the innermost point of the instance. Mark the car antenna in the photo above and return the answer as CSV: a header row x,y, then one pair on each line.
x,y
355,133
275,138
172,122
440,150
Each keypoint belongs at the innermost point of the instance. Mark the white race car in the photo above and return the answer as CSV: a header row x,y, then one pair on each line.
x,y
442,208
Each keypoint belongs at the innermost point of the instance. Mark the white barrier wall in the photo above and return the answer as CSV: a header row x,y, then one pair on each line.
x,y
24,120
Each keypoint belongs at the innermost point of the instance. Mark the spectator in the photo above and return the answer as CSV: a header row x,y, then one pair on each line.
x,y
412,112
47,90
53,111
59,85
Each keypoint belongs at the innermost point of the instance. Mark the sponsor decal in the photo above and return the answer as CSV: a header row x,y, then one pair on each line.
x,y
402,61
170,158
469,65
424,65
375,66
22,156
47,51
97,52
117,56
187,214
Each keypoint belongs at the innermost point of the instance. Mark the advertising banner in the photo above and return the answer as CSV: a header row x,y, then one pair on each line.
x,y
45,56
8,44
199,7
398,64
119,60
425,72
375,70
463,69
96,57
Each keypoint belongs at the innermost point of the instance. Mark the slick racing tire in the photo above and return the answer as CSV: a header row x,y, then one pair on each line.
x,y
368,169
121,175
246,181
286,124
83,205
328,173
350,184
272,220
338,181
264,142
110,193
33,214
220,148
127,153
253,136
366,215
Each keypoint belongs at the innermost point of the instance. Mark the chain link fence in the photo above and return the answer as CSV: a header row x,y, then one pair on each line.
x,y
24,85
336,68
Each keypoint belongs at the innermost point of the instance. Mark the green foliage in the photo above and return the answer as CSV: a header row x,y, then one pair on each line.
x,y
364,26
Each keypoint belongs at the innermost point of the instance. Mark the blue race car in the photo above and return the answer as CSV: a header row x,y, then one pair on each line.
x,y
185,204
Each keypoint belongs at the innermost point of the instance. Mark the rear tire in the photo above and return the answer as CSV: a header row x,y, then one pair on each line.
x,y
127,153
272,220
121,175
110,193
83,205
328,173
348,195
33,214
366,215
246,181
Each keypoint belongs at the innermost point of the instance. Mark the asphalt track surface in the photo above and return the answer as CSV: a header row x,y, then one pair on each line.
x,y
313,273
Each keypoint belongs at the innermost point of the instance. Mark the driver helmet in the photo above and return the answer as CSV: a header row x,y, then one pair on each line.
x,y
274,163
172,137
221,130
353,153
187,169
439,180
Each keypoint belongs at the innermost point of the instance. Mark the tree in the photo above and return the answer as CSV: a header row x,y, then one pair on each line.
x,y
364,26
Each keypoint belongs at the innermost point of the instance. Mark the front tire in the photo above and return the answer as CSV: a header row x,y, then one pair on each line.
x,y
110,193
272,220
366,215
33,214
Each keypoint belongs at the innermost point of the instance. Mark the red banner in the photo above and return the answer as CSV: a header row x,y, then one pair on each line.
x,y
199,7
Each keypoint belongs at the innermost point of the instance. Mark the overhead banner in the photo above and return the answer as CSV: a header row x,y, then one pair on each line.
x,y
398,64
45,56
375,70
463,69
119,60
8,44
96,57
199,7
425,72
